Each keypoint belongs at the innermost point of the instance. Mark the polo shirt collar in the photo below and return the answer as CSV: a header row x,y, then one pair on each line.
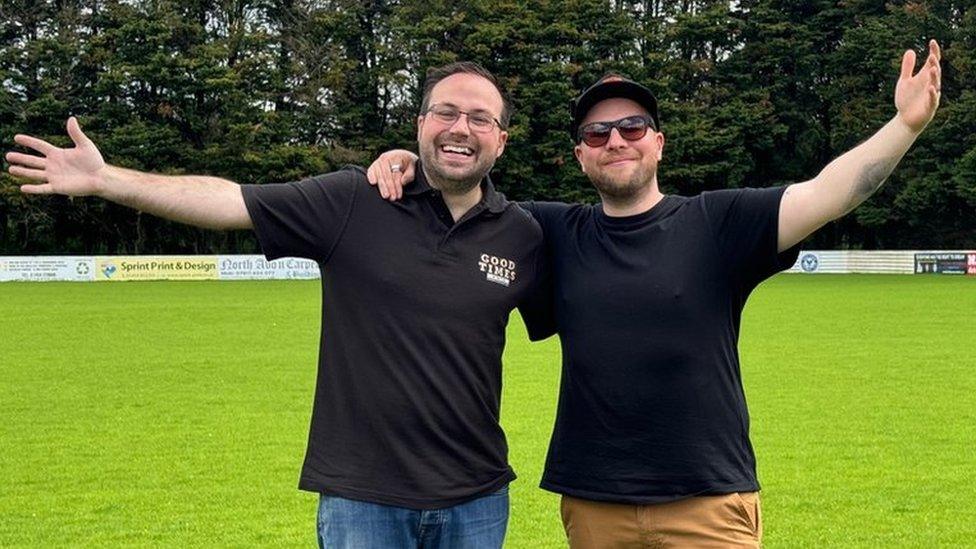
x,y
492,200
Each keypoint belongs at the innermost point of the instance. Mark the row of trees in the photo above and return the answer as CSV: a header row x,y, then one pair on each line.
x,y
753,93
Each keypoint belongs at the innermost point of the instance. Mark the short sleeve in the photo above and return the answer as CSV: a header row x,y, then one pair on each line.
x,y
546,213
302,218
745,226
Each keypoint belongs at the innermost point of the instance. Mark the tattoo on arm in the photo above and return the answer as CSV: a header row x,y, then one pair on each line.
x,y
870,180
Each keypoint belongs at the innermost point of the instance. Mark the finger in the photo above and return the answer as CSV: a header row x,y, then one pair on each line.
x,y
388,181
383,174
935,49
907,64
78,136
36,189
38,145
372,175
372,172
396,183
936,68
408,176
27,160
20,171
932,64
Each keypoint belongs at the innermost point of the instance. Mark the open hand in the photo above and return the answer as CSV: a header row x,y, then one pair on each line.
x,y
73,172
391,181
917,96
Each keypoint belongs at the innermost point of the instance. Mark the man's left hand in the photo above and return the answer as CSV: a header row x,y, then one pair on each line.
x,y
917,96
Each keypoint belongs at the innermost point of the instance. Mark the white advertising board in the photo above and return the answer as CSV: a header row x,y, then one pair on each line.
x,y
256,267
47,268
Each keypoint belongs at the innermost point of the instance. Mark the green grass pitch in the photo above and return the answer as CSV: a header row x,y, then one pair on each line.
x,y
176,414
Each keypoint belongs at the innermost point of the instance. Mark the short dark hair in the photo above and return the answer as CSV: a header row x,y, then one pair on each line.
x,y
436,74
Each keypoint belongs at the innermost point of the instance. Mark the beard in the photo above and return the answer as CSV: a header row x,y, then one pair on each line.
x,y
615,189
450,179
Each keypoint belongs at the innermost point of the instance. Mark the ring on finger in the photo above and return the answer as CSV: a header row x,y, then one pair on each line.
x,y
396,168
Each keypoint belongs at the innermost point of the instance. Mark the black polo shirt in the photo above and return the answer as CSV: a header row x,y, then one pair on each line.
x,y
414,308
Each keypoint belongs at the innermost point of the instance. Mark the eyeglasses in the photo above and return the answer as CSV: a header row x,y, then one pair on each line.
x,y
631,128
478,121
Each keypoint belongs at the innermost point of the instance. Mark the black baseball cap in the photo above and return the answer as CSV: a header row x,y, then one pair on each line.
x,y
608,86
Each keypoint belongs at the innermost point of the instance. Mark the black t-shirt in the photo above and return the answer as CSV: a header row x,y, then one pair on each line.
x,y
651,406
414,308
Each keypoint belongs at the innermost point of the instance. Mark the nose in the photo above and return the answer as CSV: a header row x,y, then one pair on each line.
x,y
616,141
460,126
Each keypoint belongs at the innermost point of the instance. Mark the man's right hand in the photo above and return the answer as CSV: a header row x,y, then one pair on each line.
x,y
76,171
202,201
389,181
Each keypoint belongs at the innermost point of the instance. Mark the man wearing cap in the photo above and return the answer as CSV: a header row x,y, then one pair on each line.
x,y
651,443
405,445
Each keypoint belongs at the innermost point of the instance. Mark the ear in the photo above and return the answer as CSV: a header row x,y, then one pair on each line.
x,y
502,140
659,140
578,152
420,126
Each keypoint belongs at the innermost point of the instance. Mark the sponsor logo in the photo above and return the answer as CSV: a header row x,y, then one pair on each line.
x,y
497,269
971,264
82,268
809,263
109,269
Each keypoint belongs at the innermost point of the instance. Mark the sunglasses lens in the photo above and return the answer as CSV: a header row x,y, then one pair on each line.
x,y
596,135
632,129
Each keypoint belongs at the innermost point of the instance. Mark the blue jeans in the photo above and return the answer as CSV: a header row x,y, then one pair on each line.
x,y
350,524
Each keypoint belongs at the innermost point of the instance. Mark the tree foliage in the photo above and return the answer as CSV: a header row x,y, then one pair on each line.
x,y
753,93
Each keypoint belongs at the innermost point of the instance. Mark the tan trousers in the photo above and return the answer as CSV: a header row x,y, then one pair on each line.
x,y
731,520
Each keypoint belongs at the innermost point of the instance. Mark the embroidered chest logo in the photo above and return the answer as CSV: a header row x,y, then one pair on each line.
x,y
497,269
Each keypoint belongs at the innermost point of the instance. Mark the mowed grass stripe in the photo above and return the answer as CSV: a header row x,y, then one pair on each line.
x,y
177,413
862,399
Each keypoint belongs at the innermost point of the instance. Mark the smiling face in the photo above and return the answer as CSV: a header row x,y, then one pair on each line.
x,y
454,157
621,170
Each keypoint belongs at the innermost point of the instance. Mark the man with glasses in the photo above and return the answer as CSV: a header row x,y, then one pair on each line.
x,y
405,445
651,443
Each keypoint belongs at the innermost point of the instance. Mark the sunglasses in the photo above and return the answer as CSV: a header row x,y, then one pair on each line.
x,y
632,128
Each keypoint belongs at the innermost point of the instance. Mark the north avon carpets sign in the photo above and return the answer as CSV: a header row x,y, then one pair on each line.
x,y
256,267
946,263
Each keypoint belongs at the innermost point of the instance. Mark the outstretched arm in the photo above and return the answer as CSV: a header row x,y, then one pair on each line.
x,y
208,202
855,175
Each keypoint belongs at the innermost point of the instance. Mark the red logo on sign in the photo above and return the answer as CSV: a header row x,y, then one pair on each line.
x,y
971,264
